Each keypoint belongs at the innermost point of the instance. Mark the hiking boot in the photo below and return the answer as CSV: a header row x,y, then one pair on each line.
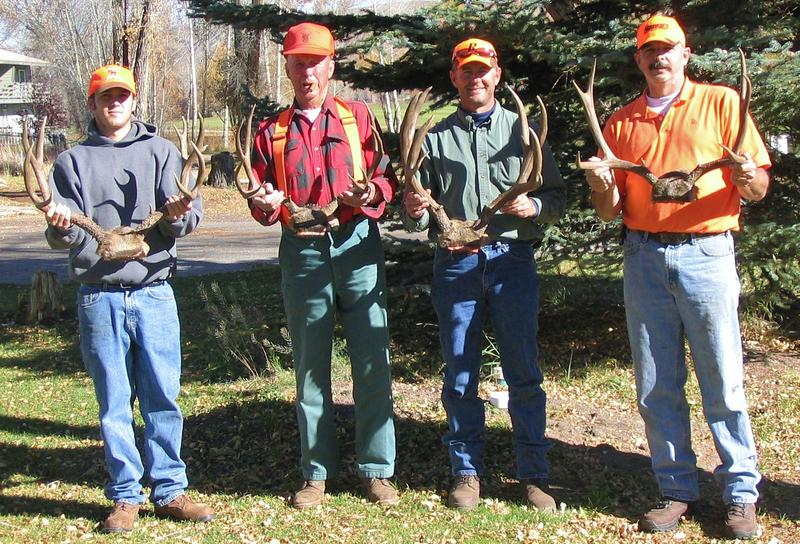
x,y
664,516
183,508
465,493
741,520
538,494
380,491
310,495
121,518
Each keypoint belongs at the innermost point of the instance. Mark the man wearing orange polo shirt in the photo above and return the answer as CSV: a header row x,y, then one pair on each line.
x,y
680,272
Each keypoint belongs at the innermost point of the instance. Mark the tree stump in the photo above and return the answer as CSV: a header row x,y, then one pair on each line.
x,y
222,170
45,303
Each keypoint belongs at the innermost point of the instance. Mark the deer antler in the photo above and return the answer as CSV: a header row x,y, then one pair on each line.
x,y
678,185
305,220
33,173
361,185
530,175
609,160
197,152
411,155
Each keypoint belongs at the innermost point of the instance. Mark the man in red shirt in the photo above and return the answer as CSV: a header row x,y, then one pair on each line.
x,y
331,267
680,272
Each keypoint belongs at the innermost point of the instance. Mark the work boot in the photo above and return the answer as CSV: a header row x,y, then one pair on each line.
x,y
465,493
182,508
538,494
310,495
380,491
741,520
121,518
664,516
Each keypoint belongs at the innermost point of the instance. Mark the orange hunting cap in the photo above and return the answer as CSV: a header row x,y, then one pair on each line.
x,y
660,28
308,39
109,76
474,50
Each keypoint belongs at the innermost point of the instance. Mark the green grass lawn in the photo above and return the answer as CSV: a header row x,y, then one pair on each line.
x,y
240,439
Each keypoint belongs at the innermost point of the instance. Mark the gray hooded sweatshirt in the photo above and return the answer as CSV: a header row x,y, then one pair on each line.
x,y
120,183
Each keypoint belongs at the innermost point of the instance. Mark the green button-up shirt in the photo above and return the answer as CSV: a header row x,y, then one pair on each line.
x,y
468,166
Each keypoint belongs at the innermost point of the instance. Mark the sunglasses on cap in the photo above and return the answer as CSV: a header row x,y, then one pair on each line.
x,y
485,52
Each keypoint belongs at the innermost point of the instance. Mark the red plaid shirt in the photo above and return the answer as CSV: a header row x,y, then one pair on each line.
x,y
318,161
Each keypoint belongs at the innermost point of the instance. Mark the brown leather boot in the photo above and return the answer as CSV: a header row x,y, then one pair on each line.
x,y
538,494
465,493
121,519
741,521
310,495
664,516
380,491
183,508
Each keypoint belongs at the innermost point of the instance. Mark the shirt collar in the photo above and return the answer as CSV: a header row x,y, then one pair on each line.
x,y
641,110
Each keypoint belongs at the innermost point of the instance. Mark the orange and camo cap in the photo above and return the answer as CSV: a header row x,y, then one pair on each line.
x,y
474,50
308,39
660,28
109,76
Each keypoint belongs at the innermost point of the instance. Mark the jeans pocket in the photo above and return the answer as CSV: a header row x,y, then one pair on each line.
x,y
89,299
716,246
160,292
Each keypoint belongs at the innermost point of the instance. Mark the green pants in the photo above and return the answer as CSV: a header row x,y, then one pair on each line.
x,y
342,272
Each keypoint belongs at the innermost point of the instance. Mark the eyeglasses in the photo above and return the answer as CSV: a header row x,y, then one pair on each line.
x,y
485,52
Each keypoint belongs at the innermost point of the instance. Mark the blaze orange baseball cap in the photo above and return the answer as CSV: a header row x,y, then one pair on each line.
x,y
111,75
660,28
308,39
474,50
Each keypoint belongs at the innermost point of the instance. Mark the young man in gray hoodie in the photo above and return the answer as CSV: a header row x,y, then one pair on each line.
x,y
129,330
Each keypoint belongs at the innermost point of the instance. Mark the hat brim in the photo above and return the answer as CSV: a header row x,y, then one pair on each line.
x,y
111,85
306,49
662,39
475,58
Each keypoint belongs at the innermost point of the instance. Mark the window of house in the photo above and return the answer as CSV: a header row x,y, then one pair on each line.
x,y
22,74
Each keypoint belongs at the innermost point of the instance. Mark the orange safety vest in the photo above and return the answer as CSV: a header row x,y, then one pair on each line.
x,y
279,145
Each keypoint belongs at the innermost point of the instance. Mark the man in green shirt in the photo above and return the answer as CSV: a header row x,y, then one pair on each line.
x,y
474,155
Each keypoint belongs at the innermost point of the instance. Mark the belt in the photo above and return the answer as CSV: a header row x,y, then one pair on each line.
x,y
105,286
673,238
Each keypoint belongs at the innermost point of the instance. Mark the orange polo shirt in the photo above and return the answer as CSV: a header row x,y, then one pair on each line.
x,y
690,133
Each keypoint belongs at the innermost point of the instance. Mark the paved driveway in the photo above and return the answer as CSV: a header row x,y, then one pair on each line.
x,y
216,246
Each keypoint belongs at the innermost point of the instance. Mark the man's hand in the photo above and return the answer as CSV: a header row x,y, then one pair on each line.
x,y
177,206
522,206
355,197
268,199
600,180
415,205
58,215
743,174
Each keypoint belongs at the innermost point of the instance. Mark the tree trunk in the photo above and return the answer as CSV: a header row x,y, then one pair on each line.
x,y
222,170
45,301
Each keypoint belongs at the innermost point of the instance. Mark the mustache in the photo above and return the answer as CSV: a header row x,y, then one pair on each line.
x,y
658,65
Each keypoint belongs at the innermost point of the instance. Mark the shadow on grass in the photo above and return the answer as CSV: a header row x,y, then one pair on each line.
x,y
251,447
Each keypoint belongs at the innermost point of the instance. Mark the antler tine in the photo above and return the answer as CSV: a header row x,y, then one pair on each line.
x,y
379,148
523,118
409,123
587,98
543,121
182,138
32,167
745,92
186,170
244,157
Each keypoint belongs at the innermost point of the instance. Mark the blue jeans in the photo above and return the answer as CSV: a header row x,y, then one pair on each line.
x,y
499,282
692,290
130,341
341,273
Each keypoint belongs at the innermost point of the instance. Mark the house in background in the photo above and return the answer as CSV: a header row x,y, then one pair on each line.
x,y
16,89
